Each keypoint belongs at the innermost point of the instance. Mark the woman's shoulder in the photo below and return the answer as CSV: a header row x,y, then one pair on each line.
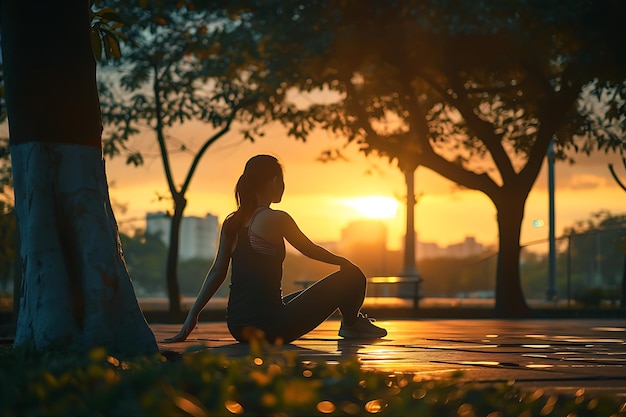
x,y
276,217
229,219
277,214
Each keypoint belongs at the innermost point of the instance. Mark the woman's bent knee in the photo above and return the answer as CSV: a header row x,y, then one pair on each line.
x,y
356,276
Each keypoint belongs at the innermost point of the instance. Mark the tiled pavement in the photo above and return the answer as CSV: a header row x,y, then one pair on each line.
x,y
561,355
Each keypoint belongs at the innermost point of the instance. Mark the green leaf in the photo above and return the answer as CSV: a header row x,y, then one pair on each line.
x,y
96,45
115,47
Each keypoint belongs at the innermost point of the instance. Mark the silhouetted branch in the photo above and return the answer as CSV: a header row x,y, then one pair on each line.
x,y
619,182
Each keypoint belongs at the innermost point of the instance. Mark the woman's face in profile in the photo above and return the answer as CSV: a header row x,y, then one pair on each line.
x,y
279,186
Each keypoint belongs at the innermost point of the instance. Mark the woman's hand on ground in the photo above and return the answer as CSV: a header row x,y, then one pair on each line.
x,y
190,323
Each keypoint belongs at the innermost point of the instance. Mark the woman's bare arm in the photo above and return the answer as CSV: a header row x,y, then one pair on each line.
x,y
212,282
302,243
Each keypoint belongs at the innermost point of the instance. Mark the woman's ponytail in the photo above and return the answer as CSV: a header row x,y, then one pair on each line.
x,y
259,169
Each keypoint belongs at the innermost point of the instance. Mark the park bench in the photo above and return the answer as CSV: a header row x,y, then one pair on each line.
x,y
413,281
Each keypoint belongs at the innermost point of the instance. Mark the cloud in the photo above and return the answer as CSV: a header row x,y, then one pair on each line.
x,y
586,174
586,182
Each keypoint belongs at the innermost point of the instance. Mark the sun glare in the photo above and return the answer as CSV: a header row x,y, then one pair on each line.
x,y
375,207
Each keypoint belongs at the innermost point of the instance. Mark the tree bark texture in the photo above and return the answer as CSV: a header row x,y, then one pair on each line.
x,y
77,293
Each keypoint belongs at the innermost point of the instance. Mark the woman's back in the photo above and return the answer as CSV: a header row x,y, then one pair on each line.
x,y
255,289
264,224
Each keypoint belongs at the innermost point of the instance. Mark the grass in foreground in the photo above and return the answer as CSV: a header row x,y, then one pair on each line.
x,y
267,383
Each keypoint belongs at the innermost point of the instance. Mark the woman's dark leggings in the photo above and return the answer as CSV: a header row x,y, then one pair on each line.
x,y
304,310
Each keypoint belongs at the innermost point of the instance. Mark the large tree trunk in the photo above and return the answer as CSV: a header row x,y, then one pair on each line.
x,y
76,291
510,301
77,294
171,268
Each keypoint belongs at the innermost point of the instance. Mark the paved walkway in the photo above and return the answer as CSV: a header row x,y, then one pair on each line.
x,y
556,355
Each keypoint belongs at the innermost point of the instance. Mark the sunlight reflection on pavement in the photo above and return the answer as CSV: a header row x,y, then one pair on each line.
x,y
562,355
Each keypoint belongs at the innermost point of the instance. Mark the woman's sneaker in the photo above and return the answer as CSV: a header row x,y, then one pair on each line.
x,y
362,328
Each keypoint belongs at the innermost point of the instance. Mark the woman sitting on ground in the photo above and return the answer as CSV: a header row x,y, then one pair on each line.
x,y
253,239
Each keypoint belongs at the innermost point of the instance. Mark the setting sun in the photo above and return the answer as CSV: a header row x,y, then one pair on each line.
x,y
375,207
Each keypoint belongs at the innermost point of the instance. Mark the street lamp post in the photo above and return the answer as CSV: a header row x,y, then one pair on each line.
x,y
551,292
409,270
410,264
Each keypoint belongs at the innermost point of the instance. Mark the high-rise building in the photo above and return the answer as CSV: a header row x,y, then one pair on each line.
x,y
198,235
469,247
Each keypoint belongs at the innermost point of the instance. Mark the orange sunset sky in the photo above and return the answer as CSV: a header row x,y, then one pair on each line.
x,y
324,197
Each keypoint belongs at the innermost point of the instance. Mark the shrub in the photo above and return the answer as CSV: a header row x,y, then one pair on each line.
x,y
267,382
589,297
